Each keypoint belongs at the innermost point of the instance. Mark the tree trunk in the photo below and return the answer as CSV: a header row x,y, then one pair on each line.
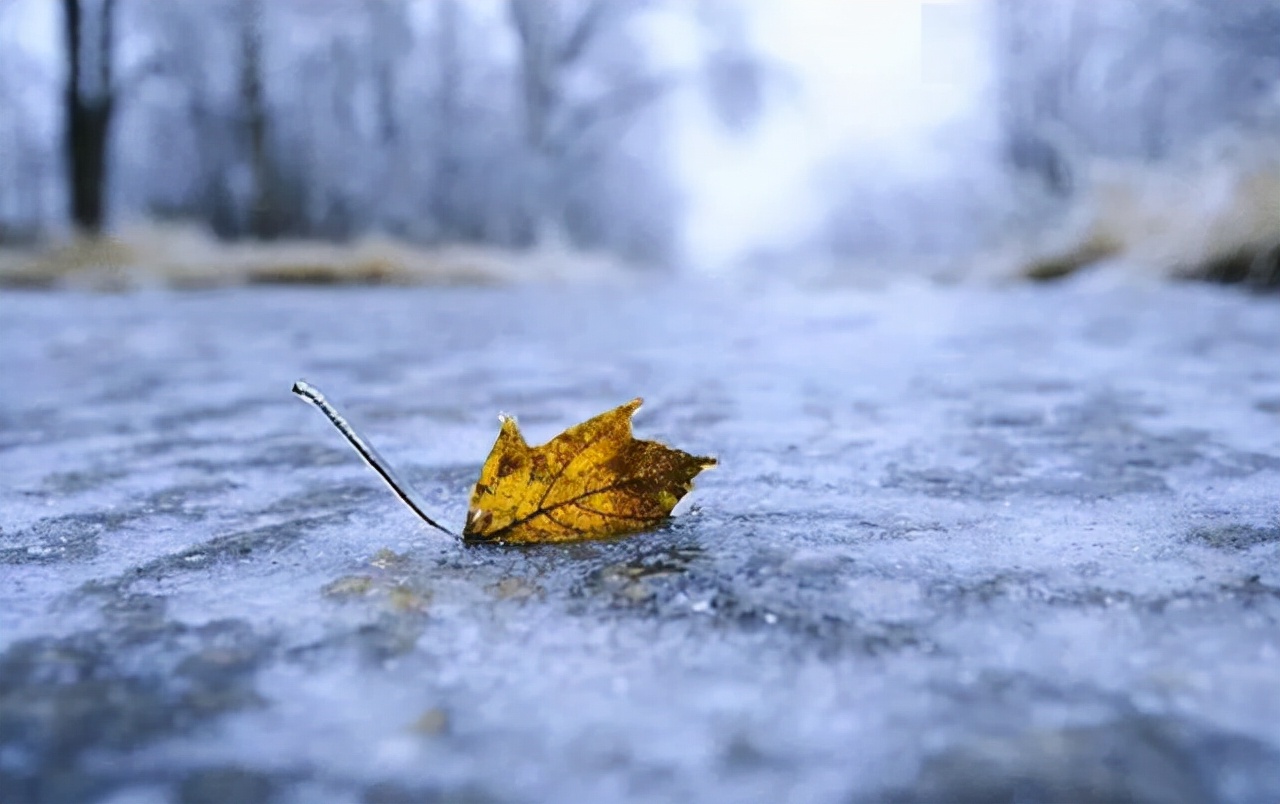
x,y
87,137
88,114
443,197
536,26
263,221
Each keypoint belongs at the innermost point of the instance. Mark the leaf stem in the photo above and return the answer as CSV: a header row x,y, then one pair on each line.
x,y
370,455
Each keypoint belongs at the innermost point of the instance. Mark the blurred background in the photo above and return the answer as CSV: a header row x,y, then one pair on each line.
x,y
969,539
417,140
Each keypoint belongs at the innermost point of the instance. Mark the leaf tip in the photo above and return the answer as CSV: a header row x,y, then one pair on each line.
x,y
510,429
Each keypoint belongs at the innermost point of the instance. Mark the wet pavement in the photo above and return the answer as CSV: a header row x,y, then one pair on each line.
x,y
963,544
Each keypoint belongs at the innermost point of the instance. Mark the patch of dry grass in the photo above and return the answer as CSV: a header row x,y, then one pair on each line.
x,y
185,257
1213,215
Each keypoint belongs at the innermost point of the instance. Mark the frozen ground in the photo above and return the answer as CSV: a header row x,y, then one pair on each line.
x,y
963,545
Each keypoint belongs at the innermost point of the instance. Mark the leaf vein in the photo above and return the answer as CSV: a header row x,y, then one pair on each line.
x,y
546,511
615,515
559,474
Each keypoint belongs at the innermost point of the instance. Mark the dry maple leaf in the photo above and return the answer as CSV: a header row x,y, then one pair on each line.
x,y
594,479
591,481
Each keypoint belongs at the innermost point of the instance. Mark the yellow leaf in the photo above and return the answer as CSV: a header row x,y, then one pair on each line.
x,y
592,480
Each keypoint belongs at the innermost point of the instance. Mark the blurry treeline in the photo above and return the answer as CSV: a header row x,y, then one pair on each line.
x,y
1130,79
1157,121
1143,129
504,122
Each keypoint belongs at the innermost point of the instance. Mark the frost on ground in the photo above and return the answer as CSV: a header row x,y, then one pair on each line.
x,y
966,545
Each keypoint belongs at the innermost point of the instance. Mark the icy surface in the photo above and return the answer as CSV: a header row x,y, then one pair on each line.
x,y
969,545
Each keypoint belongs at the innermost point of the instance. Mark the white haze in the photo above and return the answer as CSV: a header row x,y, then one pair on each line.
x,y
875,78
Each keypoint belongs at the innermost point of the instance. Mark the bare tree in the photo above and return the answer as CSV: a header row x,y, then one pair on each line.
x,y
26,161
89,104
331,117
448,159
262,219
555,41
736,79
1133,79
